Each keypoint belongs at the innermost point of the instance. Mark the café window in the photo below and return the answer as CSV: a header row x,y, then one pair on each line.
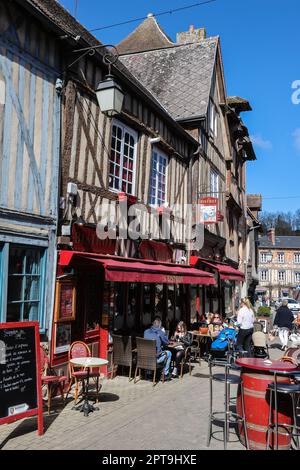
x,y
122,159
147,306
26,272
92,302
158,179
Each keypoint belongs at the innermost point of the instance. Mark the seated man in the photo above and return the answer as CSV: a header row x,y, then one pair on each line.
x,y
156,332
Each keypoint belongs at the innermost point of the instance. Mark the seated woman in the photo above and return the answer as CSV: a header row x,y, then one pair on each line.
x,y
183,340
215,325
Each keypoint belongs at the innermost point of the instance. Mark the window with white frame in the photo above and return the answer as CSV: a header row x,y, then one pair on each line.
x,y
280,257
264,275
213,119
297,258
281,276
297,277
214,183
158,178
264,257
122,159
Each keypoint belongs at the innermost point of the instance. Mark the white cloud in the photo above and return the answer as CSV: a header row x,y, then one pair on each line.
x,y
296,135
260,142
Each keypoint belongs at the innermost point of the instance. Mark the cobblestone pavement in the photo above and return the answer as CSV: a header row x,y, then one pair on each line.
x,y
132,416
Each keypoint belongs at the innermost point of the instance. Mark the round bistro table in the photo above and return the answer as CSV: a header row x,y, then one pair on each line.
x,y
87,363
257,374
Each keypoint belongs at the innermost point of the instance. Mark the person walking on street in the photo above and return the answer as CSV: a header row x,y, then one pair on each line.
x,y
156,332
284,320
245,320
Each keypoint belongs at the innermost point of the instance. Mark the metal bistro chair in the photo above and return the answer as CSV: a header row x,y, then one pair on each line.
x,y
226,416
122,353
276,389
79,374
146,358
50,379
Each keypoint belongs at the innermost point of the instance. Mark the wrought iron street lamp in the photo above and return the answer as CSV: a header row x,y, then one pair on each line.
x,y
109,93
110,96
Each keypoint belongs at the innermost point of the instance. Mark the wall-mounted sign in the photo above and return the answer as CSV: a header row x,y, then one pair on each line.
x,y
208,210
20,372
65,301
85,239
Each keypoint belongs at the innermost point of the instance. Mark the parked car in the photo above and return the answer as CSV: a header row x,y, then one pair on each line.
x,y
292,304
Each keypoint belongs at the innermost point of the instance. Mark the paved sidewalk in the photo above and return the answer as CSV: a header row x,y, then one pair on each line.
x,y
132,416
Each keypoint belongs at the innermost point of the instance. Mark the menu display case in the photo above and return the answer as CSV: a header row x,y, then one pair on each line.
x,y
65,301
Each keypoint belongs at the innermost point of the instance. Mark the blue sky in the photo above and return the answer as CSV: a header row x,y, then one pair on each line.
x,y
261,52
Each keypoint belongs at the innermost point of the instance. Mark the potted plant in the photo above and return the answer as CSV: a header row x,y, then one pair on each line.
x,y
264,316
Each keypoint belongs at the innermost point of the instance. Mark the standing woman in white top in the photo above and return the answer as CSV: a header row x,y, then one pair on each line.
x,y
245,320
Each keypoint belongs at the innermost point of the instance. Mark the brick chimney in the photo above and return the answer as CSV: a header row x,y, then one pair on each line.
x,y
271,235
193,35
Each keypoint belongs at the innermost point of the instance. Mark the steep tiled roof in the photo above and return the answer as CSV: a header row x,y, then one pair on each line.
x,y
179,76
57,16
282,242
148,35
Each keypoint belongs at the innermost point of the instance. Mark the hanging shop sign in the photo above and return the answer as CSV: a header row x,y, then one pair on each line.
x,y
20,373
209,210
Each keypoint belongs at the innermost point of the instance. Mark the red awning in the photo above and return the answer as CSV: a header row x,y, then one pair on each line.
x,y
225,271
118,269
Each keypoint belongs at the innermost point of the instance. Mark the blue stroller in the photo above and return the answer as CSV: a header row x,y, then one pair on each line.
x,y
224,346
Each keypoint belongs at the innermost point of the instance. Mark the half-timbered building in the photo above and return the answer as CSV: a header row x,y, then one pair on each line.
x,y
29,165
187,77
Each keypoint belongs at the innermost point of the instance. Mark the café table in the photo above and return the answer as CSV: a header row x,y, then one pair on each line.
x,y
257,374
206,339
87,363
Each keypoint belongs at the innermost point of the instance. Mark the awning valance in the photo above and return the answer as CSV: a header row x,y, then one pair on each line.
x,y
225,271
118,269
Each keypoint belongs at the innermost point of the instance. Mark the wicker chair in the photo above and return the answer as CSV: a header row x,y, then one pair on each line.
x,y
146,358
122,353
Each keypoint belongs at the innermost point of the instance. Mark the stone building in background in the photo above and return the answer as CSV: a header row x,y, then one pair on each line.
x,y
279,266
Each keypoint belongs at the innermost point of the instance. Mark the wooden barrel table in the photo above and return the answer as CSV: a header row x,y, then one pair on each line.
x,y
257,374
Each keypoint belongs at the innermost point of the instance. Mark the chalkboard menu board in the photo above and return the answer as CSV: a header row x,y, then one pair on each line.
x,y
20,388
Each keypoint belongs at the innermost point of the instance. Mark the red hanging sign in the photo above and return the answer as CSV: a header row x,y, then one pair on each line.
x,y
208,210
